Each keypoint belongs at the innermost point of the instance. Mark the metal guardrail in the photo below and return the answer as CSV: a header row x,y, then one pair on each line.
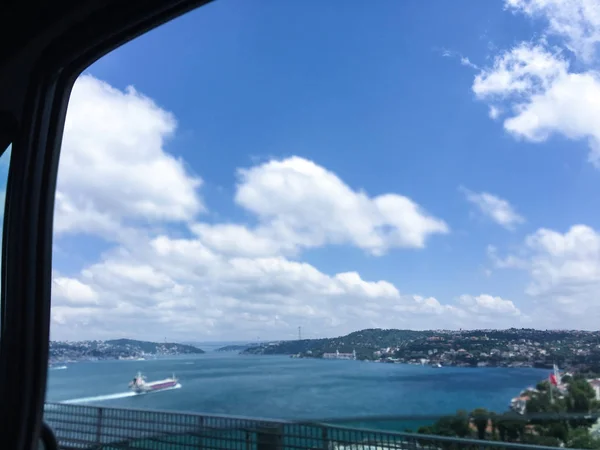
x,y
98,428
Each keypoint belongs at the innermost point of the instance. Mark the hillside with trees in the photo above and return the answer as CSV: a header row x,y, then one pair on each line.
x,y
553,418
115,349
365,342
525,347
154,347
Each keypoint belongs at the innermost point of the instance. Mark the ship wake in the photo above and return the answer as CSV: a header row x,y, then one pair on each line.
x,y
102,398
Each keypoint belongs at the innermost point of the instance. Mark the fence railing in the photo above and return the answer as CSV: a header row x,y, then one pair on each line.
x,y
99,428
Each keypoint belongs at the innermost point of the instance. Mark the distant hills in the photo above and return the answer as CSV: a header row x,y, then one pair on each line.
x,y
155,347
513,347
224,346
116,349
365,342
236,347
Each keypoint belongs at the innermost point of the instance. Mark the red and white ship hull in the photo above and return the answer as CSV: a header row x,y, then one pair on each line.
x,y
140,385
163,384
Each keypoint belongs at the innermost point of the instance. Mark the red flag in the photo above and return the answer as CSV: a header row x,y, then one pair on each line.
x,y
553,379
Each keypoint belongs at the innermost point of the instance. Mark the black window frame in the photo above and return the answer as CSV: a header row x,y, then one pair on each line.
x,y
46,63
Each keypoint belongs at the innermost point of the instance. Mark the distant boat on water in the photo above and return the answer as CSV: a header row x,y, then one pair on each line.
x,y
57,367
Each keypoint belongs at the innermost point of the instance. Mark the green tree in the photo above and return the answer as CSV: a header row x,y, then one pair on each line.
x,y
454,426
558,430
581,398
581,438
494,421
461,424
511,426
539,403
547,441
502,431
480,417
543,386
444,427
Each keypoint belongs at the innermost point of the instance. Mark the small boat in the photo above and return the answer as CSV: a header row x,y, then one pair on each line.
x,y
436,365
140,385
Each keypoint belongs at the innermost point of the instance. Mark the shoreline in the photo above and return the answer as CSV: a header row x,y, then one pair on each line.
x,y
514,365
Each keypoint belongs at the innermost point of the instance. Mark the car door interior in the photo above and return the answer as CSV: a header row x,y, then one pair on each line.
x,y
46,45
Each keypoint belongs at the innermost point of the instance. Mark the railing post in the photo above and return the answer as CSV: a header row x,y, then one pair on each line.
x,y
268,438
200,433
325,439
99,428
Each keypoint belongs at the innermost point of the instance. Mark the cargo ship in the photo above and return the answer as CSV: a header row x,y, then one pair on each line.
x,y
140,385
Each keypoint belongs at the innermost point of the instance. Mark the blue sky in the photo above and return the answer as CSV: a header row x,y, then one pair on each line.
x,y
292,121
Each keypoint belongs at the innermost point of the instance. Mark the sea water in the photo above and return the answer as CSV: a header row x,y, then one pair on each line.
x,y
287,388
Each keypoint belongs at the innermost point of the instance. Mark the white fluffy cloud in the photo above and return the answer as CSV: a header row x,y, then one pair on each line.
x,y
72,292
218,280
494,112
304,205
576,21
114,168
535,84
184,288
300,204
235,239
181,287
564,272
495,208
489,305
565,266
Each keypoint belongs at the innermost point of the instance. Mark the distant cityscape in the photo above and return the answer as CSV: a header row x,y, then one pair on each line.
x,y
576,350
71,351
525,347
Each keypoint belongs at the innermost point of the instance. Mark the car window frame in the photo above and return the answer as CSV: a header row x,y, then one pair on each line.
x,y
35,125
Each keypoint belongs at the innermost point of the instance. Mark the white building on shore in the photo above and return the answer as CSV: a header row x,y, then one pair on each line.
x,y
338,355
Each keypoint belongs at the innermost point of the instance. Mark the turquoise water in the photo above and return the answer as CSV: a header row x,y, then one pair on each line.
x,y
285,388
